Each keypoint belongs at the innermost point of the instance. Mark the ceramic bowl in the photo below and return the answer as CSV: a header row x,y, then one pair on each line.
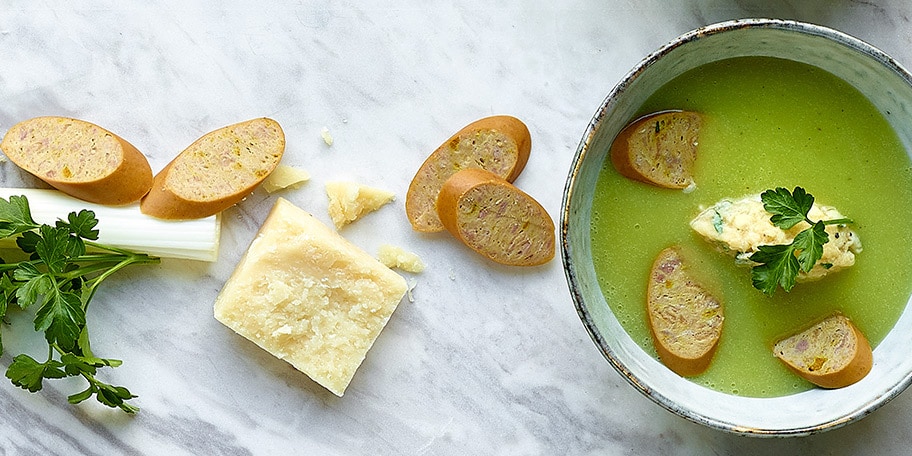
x,y
873,73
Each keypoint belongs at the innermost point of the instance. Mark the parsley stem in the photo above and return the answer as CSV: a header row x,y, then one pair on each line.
x,y
106,262
113,249
103,262
96,385
839,221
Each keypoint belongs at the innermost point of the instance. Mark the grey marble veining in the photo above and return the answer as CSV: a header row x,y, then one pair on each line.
x,y
486,359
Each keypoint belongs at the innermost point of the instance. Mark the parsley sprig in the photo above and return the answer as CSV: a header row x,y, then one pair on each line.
x,y
780,264
59,279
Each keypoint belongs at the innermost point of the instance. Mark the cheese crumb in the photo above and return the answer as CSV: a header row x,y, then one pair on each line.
x,y
327,138
399,258
308,296
349,201
411,288
285,176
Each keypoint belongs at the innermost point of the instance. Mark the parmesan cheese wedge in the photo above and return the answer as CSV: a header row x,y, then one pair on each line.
x,y
308,296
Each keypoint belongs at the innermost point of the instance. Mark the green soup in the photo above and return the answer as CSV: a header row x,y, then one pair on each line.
x,y
768,123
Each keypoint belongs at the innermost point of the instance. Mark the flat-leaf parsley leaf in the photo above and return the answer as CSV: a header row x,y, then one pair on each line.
x,y
64,267
779,265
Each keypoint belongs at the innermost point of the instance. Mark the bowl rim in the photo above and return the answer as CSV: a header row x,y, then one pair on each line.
x,y
567,250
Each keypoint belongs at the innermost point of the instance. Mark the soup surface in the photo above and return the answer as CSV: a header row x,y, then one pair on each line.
x,y
768,123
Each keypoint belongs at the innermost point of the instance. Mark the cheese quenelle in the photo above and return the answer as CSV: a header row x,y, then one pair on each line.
x,y
308,296
739,227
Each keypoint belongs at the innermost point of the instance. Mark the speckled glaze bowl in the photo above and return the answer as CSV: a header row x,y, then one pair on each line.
x,y
876,75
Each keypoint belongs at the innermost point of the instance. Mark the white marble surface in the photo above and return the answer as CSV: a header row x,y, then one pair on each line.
x,y
487,359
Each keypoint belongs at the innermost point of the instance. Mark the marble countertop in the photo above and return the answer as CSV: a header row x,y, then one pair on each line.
x,y
484,359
